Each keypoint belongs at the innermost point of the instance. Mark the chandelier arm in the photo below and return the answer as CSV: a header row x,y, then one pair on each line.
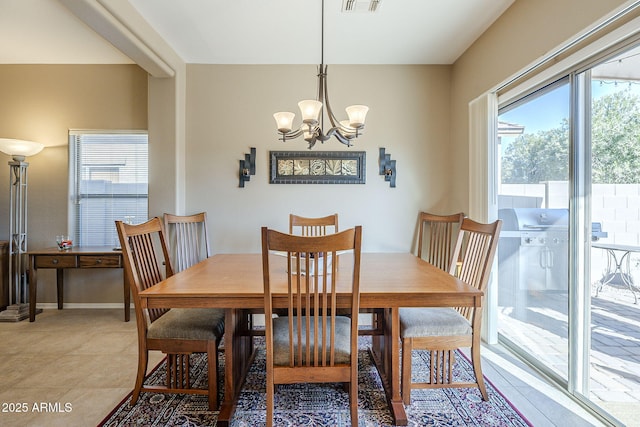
x,y
344,131
292,134
334,122
334,131
321,90
322,137
311,142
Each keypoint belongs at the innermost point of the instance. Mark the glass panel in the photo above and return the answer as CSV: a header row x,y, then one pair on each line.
x,y
614,363
109,182
533,201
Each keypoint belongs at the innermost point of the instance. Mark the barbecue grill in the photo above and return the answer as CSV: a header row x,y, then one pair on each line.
x,y
534,247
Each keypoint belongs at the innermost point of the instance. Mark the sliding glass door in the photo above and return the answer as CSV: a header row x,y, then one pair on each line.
x,y
569,253
614,352
533,203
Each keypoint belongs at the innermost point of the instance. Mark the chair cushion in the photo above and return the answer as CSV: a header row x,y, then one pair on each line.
x,y
281,339
189,324
429,322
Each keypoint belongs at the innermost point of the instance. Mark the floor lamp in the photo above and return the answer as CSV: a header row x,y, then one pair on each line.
x,y
18,308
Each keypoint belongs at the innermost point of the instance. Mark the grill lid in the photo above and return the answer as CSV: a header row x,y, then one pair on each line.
x,y
540,219
534,219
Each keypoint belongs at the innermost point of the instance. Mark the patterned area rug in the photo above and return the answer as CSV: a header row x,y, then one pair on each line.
x,y
323,404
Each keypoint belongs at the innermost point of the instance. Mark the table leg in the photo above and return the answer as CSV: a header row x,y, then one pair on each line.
x,y
396,404
386,355
60,284
33,287
238,350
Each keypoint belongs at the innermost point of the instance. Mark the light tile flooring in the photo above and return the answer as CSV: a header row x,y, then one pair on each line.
x,y
81,363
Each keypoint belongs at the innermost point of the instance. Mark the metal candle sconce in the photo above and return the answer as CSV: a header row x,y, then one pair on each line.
x,y
247,167
387,168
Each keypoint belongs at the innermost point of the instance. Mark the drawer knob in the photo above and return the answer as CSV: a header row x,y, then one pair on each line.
x,y
55,261
98,261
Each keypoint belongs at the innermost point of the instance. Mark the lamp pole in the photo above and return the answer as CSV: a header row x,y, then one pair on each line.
x,y
18,308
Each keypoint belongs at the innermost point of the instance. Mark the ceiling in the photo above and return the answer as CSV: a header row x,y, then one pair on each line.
x,y
257,31
45,32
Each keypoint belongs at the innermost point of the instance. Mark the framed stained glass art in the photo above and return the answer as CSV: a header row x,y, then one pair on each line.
x,y
317,167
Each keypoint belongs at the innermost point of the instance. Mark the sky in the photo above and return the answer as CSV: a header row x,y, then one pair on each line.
x,y
547,111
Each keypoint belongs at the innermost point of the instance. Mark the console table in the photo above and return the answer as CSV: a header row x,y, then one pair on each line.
x,y
76,257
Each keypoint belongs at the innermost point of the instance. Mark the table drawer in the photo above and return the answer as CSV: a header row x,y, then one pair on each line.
x,y
55,261
97,261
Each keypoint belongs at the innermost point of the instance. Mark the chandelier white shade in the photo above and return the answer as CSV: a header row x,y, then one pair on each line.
x,y
312,114
19,149
357,114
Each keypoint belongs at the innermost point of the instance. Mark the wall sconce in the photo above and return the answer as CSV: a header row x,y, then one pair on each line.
x,y
387,168
247,167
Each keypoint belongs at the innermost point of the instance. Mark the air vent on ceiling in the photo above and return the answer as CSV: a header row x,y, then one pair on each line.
x,y
349,6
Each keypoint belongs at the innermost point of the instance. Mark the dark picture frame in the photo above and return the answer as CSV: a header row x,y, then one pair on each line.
x,y
317,167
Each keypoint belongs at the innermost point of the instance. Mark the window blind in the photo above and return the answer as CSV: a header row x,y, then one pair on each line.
x,y
108,181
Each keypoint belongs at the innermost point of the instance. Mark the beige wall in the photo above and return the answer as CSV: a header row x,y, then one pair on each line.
x,y
418,113
524,33
229,110
41,103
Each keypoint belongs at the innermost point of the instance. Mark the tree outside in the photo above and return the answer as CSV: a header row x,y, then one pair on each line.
x,y
544,156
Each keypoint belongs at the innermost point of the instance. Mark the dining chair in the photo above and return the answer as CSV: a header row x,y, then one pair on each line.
x,y
313,226
187,239
321,226
176,332
443,330
438,233
312,343
306,226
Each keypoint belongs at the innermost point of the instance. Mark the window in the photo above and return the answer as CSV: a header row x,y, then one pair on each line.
x,y
108,181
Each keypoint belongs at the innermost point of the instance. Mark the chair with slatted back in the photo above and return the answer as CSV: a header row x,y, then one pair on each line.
x,y
438,233
187,239
443,330
176,332
321,226
312,343
305,226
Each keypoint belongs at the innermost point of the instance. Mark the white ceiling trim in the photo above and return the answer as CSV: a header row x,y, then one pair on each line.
x,y
103,20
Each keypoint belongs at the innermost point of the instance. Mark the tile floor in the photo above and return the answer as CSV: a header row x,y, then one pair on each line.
x,y
81,363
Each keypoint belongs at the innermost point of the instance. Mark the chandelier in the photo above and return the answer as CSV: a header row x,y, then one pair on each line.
x,y
313,119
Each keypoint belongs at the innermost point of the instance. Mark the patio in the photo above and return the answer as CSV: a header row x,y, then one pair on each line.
x,y
614,380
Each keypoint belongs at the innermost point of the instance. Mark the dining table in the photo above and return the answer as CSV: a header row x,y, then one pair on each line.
x,y
234,282
618,272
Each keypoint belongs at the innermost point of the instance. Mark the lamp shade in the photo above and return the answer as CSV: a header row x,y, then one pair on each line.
x,y
19,148
284,121
310,109
357,115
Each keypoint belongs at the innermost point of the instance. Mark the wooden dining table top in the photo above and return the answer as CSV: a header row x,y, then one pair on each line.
x,y
387,280
234,282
